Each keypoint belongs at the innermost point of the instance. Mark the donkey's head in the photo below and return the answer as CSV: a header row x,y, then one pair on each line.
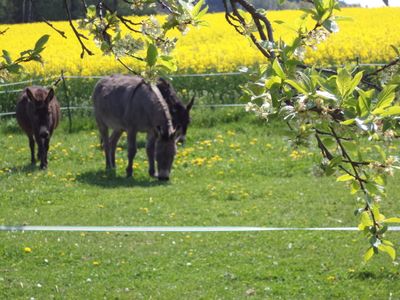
x,y
165,150
179,112
39,99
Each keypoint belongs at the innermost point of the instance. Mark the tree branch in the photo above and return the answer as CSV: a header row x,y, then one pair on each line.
x,y
388,65
78,35
4,31
60,32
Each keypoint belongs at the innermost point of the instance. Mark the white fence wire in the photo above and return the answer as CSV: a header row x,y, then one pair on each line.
x,y
100,76
175,228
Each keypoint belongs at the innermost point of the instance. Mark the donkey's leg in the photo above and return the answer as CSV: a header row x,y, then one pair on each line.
x,y
43,159
32,147
41,150
115,135
103,129
151,139
131,151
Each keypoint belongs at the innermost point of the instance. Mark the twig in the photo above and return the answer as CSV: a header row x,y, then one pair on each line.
x,y
242,21
60,32
127,23
4,31
390,64
164,5
78,35
127,67
357,177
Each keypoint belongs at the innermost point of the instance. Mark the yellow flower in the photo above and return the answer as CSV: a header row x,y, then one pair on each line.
x,y
96,263
27,250
331,278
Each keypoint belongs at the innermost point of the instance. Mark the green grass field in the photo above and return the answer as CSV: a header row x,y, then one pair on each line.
x,y
234,171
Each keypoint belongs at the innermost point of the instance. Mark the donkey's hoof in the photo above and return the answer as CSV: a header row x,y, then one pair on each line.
x,y
43,167
129,173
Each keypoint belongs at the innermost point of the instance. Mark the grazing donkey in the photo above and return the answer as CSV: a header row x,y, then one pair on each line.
x,y
38,114
128,103
179,112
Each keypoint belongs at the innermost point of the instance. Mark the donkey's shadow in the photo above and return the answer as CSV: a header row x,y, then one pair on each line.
x,y
108,179
27,168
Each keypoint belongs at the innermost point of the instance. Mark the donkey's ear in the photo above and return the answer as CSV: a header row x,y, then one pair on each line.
x,y
50,95
190,104
30,95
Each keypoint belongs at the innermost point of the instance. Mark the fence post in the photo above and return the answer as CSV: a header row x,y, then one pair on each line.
x,y
68,102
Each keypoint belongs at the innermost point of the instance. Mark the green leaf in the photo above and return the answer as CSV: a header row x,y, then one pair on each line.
x,y
388,249
7,57
152,54
385,98
271,81
39,46
388,243
348,122
391,111
91,12
355,81
368,254
379,179
364,104
343,82
396,50
167,62
197,7
297,86
372,188
355,187
391,220
365,220
335,161
276,66
14,68
345,177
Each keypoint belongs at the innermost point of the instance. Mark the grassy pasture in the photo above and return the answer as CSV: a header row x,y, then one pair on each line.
x,y
234,171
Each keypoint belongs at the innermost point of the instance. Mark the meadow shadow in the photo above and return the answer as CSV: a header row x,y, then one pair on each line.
x,y
108,179
26,168
369,275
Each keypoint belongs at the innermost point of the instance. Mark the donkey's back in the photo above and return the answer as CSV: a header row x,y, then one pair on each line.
x,y
122,102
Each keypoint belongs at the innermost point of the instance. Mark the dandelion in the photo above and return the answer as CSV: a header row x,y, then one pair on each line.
x,y
199,161
96,263
331,278
27,250
145,210
295,154
206,142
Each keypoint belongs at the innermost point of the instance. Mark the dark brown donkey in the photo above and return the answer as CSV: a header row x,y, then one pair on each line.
x,y
38,114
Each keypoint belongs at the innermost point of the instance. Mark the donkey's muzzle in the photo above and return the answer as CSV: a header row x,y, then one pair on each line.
x,y
44,134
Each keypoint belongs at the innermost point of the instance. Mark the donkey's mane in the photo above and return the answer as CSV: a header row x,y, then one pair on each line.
x,y
164,107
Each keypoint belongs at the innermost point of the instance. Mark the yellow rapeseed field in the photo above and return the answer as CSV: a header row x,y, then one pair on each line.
x,y
217,46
